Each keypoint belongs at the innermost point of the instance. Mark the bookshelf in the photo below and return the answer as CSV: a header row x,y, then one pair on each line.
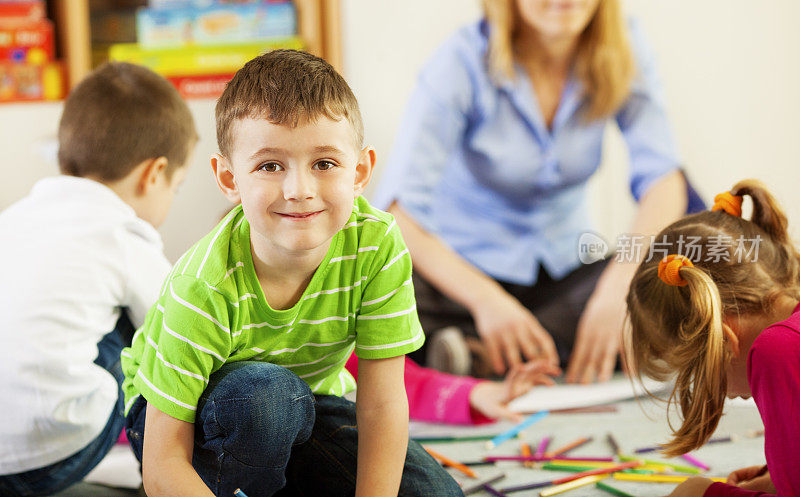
x,y
319,26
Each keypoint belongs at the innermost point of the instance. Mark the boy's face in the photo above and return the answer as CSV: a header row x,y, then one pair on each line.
x,y
296,184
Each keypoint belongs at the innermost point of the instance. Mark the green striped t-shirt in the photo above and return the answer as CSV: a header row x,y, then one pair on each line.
x,y
212,311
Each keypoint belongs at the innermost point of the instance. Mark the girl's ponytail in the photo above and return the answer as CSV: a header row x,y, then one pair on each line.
x,y
699,389
767,214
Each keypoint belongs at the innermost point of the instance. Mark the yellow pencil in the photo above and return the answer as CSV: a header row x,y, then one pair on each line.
x,y
657,478
564,487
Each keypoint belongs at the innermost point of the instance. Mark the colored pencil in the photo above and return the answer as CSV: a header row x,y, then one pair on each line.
x,y
564,467
651,448
477,487
755,433
612,490
515,458
493,491
525,450
726,438
542,448
677,467
453,464
570,446
482,462
657,478
513,432
469,438
527,486
238,493
584,459
613,443
601,471
571,485
695,461
582,462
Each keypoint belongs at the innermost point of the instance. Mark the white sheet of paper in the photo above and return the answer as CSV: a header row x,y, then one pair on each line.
x,y
571,396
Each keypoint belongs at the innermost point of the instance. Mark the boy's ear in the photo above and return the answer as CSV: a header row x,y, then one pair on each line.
x,y
731,340
223,173
366,163
151,171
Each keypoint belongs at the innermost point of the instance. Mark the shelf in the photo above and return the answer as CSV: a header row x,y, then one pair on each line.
x,y
319,26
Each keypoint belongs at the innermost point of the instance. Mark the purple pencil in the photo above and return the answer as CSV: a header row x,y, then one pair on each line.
x,y
493,491
694,461
540,450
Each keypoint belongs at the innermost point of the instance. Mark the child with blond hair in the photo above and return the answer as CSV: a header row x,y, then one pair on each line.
x,y
720,313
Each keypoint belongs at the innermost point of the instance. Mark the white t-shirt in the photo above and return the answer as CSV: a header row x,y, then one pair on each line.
x,y
72,254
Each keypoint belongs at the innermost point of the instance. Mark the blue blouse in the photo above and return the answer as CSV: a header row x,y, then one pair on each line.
x,y
475,164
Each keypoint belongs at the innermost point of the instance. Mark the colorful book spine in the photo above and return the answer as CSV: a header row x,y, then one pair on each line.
x,y
25,10
197,60
27,41
214,24
210,86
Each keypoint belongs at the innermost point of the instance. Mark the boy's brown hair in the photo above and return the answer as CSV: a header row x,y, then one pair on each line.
x,y
741,268
118,116
286,87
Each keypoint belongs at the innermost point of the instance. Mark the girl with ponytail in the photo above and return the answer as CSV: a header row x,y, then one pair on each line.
x,y
720,314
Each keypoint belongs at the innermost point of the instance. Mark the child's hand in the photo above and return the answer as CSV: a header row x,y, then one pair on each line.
x,y
490,398
752,478
695,486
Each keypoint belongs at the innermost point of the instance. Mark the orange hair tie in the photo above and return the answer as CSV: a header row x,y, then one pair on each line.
x,y
669,269
726,201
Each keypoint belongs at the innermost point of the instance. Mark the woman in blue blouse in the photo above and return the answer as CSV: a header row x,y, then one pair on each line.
x,y
488,178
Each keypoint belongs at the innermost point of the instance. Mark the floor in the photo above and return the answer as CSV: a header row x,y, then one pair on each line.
x,y
634,424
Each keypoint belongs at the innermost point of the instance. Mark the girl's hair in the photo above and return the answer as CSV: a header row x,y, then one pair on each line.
x,y
740,268
604,61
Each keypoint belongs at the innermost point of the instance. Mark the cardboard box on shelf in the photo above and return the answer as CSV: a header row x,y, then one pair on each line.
x,y
21,82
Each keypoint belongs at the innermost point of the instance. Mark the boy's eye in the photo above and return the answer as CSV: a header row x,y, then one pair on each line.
x,y
324,165
270,167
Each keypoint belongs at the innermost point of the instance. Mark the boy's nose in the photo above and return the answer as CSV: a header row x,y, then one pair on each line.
x,y
298,185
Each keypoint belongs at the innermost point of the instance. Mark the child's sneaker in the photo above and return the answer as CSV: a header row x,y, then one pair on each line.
x,y
448,351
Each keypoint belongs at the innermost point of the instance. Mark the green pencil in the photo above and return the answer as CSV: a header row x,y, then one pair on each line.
x,y
612,490
677,467
469,438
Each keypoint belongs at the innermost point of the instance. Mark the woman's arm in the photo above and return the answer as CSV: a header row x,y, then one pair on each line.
x,y
167,457
600,327
382,417
507,328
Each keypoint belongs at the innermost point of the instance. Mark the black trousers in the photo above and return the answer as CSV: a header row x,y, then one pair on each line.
x,y
557,304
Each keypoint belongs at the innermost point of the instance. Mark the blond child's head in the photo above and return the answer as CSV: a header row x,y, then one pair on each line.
x,y
127,127
681,319
290,137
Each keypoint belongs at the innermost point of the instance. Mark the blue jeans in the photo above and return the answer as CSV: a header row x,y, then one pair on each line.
x,y
60,475
260,428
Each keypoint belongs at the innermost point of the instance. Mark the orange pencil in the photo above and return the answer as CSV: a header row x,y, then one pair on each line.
x,y
568,447
525,450
453,464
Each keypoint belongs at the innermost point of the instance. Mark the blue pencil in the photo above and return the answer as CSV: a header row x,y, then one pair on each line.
x,y
511,433
238,493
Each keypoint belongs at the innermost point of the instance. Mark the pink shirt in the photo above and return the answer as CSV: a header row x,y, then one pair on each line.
x,y
773,371
433,395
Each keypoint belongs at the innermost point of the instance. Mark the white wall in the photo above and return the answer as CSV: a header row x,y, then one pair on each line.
x,y
731,72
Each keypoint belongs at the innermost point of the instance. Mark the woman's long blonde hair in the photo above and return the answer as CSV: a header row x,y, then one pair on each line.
x,y
604,62
678,329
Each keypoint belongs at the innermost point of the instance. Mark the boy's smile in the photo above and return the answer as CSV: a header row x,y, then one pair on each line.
x,y
296,184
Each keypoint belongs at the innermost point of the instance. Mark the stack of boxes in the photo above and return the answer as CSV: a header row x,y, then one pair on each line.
x,y
28,70
200,44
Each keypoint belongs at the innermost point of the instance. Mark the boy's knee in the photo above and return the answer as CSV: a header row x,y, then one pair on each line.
x,y
423,476
258,407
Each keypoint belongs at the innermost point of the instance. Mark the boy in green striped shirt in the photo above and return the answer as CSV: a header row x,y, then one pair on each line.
x,y
238,371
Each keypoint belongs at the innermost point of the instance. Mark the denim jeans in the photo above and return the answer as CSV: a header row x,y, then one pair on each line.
x,y
259,428
58,476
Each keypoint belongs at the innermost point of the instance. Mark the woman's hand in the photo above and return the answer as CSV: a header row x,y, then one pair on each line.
x,y
752,478
599,334
490,398
511,332
695,486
